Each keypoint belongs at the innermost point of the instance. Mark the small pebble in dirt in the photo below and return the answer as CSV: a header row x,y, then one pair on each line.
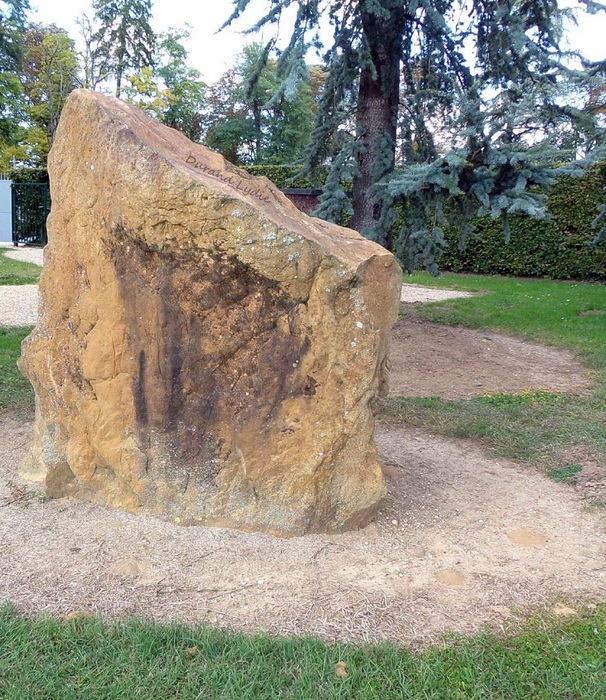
x,y
394,522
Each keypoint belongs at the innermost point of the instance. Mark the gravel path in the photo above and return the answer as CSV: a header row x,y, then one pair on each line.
x,y
414,293
19,303
30,255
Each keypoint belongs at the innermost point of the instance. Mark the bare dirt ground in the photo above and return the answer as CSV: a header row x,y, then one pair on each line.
x,y
461,541
429,359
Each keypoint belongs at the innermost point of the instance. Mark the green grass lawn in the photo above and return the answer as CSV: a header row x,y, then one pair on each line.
x,y
548,430
84,658
16,392
548,659
17,272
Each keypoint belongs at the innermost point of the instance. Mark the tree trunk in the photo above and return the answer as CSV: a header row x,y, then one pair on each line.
x,y
256,110
119,82
377,114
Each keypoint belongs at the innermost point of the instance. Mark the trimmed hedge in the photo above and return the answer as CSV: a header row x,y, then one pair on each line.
x,y
19,175
558,247
282,176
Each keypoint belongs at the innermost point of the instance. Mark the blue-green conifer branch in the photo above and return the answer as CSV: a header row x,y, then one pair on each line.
x,y
485,114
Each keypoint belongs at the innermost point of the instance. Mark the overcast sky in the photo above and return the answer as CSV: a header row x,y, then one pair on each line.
x,y
213,54
210,53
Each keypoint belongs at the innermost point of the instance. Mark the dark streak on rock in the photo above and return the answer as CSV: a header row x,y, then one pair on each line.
x,y
216,320
139,391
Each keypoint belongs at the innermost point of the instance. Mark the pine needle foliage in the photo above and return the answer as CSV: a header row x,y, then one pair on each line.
x,y
466,106
125,39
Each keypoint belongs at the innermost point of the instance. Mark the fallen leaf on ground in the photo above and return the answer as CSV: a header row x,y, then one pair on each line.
x,y
77,615
341,669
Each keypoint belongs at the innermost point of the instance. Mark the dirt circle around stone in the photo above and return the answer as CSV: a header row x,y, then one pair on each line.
x,y
462,540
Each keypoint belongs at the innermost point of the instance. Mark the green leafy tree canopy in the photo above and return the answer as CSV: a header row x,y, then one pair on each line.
x,y
171,91
12,29
49,74
251,121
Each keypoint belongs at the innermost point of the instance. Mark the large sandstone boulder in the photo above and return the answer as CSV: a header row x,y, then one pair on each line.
x,y
205,352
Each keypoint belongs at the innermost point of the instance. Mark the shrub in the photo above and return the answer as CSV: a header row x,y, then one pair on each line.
x,y
284,176
24,175
558,247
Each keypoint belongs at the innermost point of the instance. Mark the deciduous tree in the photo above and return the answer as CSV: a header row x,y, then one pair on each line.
x,y
94,68
49,74
185,111
251,121
12,30
172,91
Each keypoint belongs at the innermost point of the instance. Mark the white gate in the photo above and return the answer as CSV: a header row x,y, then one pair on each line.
x,y
6,225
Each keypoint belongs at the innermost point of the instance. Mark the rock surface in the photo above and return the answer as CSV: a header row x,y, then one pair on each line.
x,y
205,353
